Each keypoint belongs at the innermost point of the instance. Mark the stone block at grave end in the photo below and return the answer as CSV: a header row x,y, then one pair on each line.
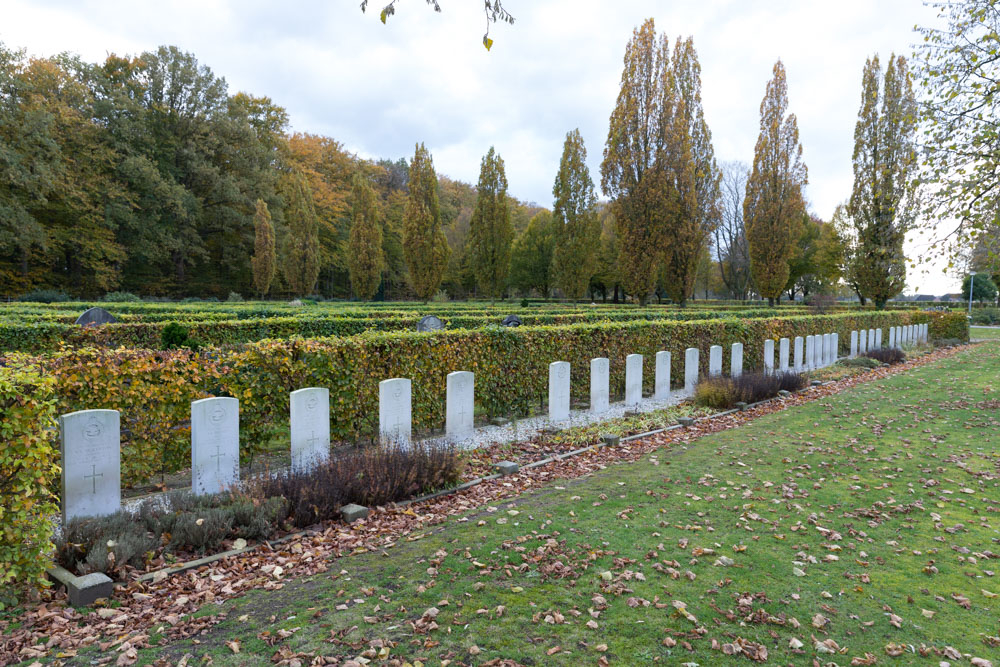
x,y
353,512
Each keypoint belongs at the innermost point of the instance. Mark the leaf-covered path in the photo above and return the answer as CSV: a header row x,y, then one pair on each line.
x,y
859,529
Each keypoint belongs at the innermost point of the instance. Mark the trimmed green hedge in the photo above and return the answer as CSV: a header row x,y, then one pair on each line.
x,y
153,389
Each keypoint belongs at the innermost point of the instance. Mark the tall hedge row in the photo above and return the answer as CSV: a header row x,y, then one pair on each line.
x,y
153,390
28,475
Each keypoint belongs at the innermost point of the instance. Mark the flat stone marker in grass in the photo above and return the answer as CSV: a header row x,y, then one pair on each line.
x,y
559,372
783,355
769,356
661,387
91,463
798,354
690,369
215,445
633,380
395,417
461,406
600,376
715,361
736,360
310,427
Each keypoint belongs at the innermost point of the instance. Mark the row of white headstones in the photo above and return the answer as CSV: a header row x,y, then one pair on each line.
x,y
91,447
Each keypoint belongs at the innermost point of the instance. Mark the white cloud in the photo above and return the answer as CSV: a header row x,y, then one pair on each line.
x,y
426,76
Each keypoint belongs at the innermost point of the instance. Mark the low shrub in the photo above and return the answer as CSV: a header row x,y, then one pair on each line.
x,y
886,355
722,392
176,337
947,342
715,392
234,297
860,362
121,297
986,316
45,296
368,476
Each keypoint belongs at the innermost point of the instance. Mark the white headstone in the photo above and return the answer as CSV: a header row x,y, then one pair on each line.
x,y
783,355
600,375
817,361
558,391
715,360
769,356
395,411
633,380
215,445
690,369
736,360
810,352
878,338
927,333
835,347
862,341
871,339
91,463
661,389
913,334
892,337
461,406
854,344
825,350
310,422
798,354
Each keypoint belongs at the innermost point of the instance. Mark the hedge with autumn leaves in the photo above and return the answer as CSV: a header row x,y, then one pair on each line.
x,y
28,476
154,389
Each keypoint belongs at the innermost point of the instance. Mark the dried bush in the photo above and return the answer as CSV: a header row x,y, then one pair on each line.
x,y
723,392
104,544
715,392
886,355
367,476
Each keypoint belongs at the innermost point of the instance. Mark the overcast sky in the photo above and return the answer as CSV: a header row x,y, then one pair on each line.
x,y
425,76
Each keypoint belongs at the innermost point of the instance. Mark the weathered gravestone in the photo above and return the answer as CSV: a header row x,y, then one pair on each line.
x,y
854,344
769,356
430,323
834,347
827,349
798,354
395,416
736,360
310,426
215,444
600,376
95,316
633,380
461,406
810,352
558,391
690,369
862,341
91,463
661,386
892,337
715,361
511,321
878,338
783,355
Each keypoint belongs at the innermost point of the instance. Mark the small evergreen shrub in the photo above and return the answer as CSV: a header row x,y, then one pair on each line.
x,y
175,336
886,355
986,316
860,362
121,297
440,297
45,296
234,297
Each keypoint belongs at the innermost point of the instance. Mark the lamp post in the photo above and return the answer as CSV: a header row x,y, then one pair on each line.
x,y
972,284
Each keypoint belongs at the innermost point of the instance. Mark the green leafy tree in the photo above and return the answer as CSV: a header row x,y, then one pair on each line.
x,y
490,229
264,259
883,203
366,259
301,265
425,247
774,207
983,288
531,256
576,226
956,65
633,172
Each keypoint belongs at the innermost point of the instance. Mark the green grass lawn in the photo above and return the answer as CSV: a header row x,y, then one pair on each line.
x,y
984,333
832,530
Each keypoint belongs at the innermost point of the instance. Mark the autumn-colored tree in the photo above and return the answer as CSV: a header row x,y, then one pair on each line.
x,y
490,230
883,204
632,172
264,259
366,259
694,176
301,265
774,207
425,247
531,256
577,231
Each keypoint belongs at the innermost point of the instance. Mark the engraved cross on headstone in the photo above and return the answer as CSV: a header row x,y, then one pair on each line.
x,y
218,457
93,477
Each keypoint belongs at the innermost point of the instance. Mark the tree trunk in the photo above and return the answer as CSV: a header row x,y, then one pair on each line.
x,y
770,302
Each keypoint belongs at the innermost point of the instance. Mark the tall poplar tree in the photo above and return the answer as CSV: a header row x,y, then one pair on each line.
x,y
264,260
694,176
883,203
301,266
774,207
576,226
632,173
366,259
425,247
490,230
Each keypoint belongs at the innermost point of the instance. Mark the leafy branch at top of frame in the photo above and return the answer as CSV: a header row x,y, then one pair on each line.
x,y
493,9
